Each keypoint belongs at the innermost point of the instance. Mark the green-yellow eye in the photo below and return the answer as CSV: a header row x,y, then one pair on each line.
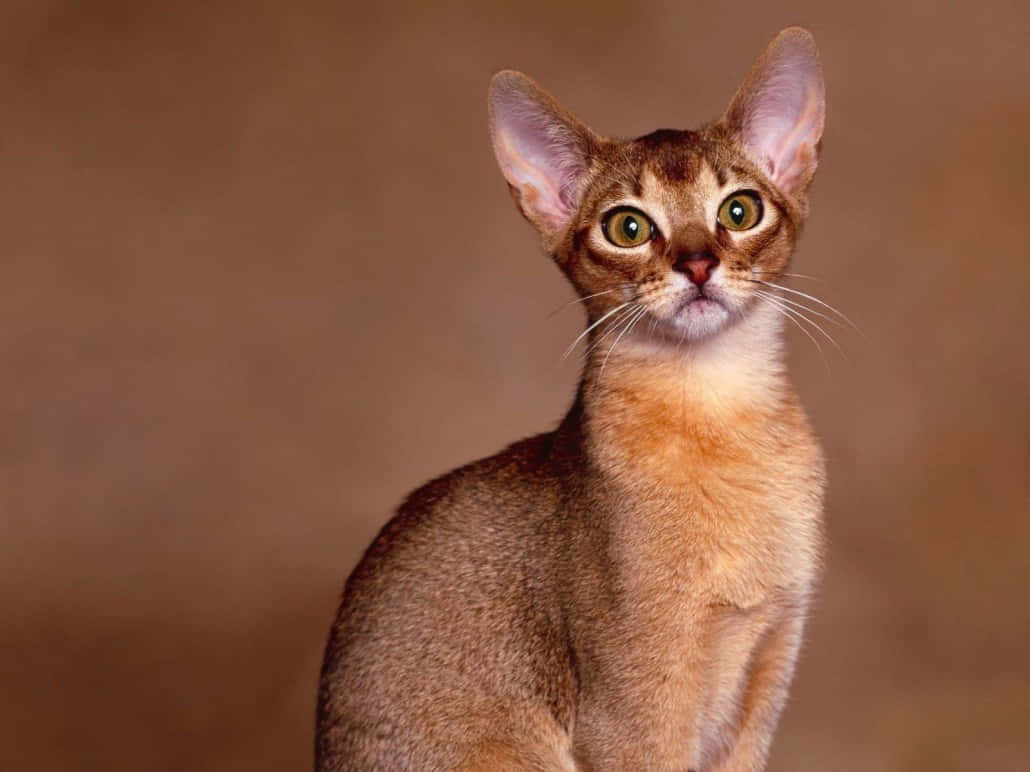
x,y
741,211
627,227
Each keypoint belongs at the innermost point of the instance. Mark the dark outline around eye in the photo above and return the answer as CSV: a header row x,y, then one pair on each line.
x,y
616,210
755,196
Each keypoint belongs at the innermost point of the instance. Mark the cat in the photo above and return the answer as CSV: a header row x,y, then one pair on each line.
x,y
628,591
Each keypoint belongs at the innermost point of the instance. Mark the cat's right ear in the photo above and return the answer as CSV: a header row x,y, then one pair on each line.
x,y
543,151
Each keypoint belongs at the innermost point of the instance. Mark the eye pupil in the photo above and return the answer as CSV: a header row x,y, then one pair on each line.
x,y
737,212
741,211
631,227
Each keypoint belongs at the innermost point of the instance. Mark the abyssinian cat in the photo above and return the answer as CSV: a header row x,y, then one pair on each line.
x,y
626,592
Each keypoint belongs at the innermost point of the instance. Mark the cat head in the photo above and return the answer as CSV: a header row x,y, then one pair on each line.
x,y
675,225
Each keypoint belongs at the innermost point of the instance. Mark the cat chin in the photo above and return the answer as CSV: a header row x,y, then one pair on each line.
x,y
701,318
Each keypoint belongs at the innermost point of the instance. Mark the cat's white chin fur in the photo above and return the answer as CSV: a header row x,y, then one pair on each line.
x,y
698,314
701,317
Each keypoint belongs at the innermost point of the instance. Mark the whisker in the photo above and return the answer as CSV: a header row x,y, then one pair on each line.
x,y
592,326
792,275
823,303
639,317
585,298
816,325
629,326
613,324
803,307
782,310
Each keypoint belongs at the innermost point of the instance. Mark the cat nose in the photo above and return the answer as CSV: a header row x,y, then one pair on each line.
x,y
698,266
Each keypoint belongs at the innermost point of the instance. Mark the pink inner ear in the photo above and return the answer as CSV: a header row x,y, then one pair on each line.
x,y
529,164
540,155
785,124
783,120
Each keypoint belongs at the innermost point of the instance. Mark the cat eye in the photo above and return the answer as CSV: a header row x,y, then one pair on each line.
x,y
627,227
741,211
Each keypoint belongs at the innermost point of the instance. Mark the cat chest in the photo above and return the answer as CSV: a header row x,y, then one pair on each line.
x,y
729,511
735,540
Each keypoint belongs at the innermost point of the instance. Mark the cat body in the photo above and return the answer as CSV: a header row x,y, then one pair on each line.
x,y
629,590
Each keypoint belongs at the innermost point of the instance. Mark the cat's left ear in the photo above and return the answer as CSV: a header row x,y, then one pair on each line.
x,y
778,112
543,151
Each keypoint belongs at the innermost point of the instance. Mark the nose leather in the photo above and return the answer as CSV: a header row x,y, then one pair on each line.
x,y
697,266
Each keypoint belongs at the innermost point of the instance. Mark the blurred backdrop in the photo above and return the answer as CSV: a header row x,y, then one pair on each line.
x,y
260,278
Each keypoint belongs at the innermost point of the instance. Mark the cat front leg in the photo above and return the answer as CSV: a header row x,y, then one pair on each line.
x,y
764,697
641,701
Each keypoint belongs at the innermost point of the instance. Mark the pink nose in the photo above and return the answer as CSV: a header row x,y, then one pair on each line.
x,y
697,267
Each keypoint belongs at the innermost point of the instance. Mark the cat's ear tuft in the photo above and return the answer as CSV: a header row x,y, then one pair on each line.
x,y
778,112
543,151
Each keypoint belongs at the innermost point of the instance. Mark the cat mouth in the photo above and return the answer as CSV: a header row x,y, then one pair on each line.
x,y
700,304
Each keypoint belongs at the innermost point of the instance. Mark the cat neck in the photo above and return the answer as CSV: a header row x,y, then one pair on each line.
x,y
644,399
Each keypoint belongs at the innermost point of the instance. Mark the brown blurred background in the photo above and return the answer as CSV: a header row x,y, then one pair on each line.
x,y
260,278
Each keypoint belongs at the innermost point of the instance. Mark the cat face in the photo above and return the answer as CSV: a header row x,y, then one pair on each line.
x,y
677,227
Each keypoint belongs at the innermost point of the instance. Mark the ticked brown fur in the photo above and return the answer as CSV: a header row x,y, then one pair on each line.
x,y
628,591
